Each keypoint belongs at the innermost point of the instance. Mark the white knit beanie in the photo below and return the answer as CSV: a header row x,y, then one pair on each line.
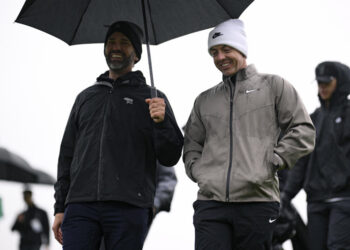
x,y
231,33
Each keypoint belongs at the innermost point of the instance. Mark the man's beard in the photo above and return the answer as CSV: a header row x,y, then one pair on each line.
x,y
119,66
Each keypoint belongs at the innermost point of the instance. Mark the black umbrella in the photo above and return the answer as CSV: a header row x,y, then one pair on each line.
x,y
84,21
14,168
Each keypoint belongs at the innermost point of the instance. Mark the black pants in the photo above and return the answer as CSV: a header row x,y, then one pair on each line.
x,y
329,225
123,226
30,247
238,226
103,247
299,241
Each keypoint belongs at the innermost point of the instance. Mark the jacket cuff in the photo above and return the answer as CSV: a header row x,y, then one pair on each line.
x,y
162,124
59,209
278,161
190,169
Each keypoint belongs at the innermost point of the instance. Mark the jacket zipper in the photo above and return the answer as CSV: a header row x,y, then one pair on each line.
x,y
231,146
101,143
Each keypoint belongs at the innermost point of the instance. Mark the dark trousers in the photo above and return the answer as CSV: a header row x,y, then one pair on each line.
x,y
299,241
329,225
123,226
102,247
30,247
236,226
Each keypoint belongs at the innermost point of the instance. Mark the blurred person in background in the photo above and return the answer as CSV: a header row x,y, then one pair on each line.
x,y
33,225
289,225
165,188
325,174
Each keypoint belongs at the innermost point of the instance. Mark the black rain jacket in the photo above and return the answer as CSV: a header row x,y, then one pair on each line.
x,y
325,173
111,144
33,235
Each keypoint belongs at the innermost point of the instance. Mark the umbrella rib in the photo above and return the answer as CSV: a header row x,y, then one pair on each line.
x,y
80,20
152,23
223,8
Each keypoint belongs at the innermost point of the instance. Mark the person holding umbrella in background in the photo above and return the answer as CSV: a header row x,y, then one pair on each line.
x,y
32,224
325,174
107,163
232,150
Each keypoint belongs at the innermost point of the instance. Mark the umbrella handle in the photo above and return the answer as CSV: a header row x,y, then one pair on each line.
x,y
153,92
153,88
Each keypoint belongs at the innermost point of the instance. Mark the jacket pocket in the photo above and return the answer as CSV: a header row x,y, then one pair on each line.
x,y
270,165
253,163
336,169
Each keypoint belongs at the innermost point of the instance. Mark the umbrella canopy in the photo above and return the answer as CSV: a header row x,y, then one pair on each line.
x,y
85,21
15,168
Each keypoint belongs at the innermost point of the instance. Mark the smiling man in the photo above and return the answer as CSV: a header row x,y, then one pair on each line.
x,y
239,133
107,164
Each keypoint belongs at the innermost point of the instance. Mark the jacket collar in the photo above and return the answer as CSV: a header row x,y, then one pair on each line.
x,y
133,78
246,73
243,74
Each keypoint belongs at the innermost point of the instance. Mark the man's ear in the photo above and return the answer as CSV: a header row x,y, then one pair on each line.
x,y
136,59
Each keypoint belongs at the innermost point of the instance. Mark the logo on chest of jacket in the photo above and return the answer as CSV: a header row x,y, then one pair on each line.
x,y
128,100
251,90
272,220
338,120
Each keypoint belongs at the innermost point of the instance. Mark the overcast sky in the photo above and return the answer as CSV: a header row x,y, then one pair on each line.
x,y
41,76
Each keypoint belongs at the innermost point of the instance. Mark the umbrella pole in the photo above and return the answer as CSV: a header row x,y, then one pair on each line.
x,y
153,88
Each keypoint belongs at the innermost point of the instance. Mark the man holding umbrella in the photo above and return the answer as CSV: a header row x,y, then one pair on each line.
x,y
232,147
107,163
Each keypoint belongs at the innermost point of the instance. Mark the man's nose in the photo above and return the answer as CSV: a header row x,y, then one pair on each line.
x,y
116,46
220,55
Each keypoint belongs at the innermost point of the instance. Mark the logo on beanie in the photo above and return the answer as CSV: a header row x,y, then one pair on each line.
x,y
217,34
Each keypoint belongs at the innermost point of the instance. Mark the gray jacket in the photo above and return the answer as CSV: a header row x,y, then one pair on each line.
x,y
233,146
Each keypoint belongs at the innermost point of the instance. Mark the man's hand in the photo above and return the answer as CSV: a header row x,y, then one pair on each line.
x,y
21,218
56,227
156,109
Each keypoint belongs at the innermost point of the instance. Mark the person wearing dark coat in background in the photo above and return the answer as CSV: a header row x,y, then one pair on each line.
x,y
325,174
165,187
33,225
115,133
289,225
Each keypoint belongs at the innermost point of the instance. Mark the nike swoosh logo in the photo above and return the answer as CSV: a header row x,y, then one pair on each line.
x,y
251,90
272,220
